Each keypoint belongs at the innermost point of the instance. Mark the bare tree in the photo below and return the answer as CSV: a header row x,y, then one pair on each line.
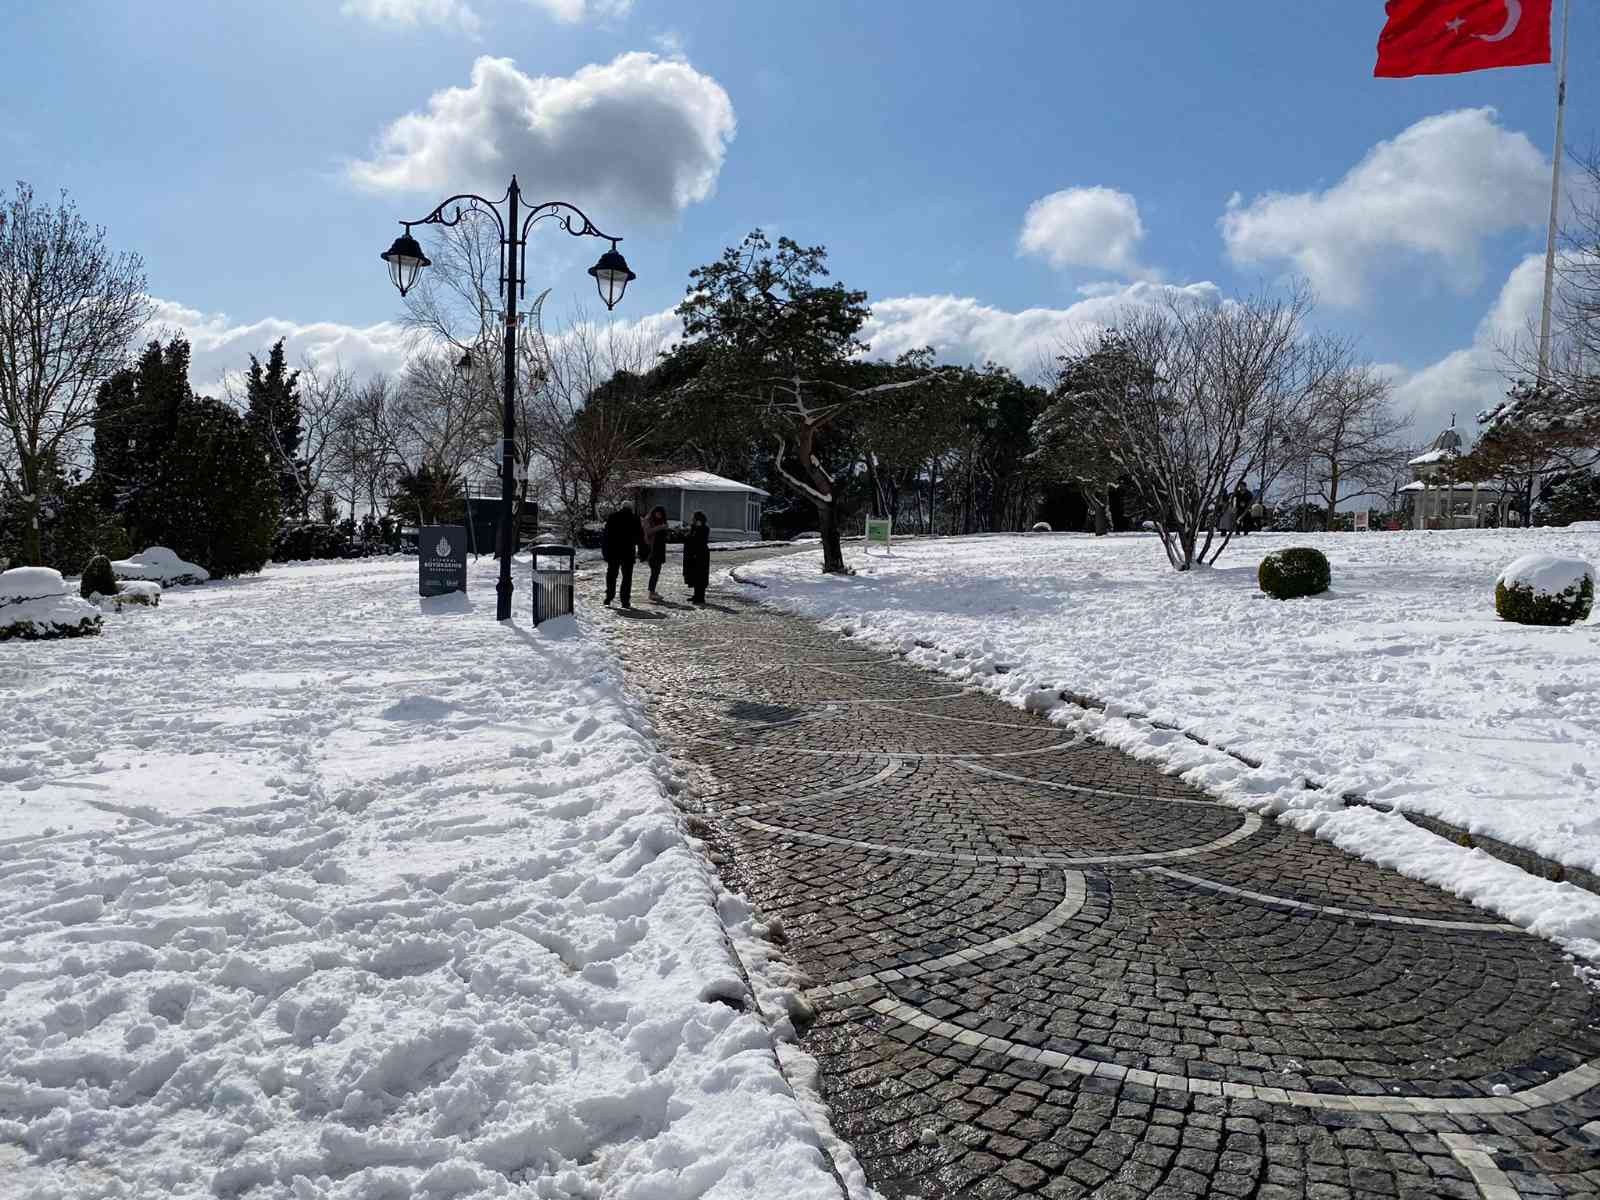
x,y
585,406
69,309
1177,397
1351,439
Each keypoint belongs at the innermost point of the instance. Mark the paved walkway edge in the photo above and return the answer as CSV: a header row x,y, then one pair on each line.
x,y
1516,856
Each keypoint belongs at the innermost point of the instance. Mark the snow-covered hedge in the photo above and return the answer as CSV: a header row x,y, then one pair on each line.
x,y
35,603
160,565
1294,571
1545,589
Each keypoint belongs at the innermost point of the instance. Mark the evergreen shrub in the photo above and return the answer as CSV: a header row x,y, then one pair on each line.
x,y
1541,589
98,578
1294,571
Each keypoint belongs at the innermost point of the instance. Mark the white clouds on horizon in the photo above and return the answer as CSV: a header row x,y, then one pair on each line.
x,y
667,124
1429,197
962,329
1096,227
574,12
1465,382
220,348
409,14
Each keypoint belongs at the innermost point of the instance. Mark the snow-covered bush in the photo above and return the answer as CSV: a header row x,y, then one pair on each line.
x,y
1041,527
160,565
1544,589
136,592
98,578
1294,571
35,603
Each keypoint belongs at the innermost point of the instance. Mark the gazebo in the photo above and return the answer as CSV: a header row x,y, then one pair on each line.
x,y
1436,503
733,509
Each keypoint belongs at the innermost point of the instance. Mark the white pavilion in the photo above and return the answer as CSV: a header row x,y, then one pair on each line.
x,y
1434,503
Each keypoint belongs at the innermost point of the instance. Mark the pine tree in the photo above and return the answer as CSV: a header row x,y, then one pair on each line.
x,y
272,412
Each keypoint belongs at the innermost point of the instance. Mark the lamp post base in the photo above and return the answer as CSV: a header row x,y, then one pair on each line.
x,y
502,604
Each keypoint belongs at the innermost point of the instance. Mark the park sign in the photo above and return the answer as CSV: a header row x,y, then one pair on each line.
x,y
441,559
879,529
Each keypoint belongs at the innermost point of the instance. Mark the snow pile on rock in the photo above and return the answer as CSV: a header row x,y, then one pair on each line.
x,y
160,565
36,604
397,909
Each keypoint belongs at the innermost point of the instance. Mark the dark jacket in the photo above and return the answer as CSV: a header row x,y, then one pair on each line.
x,y
655,543
697,557
622,537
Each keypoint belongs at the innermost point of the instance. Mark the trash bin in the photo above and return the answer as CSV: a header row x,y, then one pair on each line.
x,y
552,585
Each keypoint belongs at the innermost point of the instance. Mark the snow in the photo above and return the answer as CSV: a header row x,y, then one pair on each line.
x,y
159,565
1433,456
31,583
36,601
308,889
1547,574
1400,684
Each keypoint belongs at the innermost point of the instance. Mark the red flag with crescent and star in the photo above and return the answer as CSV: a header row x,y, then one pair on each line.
x,y
1448,37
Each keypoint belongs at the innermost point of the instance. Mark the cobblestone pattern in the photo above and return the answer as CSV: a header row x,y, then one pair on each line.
x,y
1262,1017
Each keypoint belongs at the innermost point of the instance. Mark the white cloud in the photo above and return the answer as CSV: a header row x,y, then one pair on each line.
x,y
1427,198
961,329
408,14
1095,227
220,347
1465,382
573,12
641,135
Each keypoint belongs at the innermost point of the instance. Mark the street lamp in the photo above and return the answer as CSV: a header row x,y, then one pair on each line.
x,y
611,276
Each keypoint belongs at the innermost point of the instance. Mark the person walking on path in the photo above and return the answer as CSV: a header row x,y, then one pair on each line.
x,y
654,549
622,539
697,557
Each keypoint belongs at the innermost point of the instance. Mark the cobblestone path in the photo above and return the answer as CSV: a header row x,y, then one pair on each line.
x,y
1042,968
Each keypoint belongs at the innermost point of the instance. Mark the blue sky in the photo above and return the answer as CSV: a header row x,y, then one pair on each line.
x,y
248,153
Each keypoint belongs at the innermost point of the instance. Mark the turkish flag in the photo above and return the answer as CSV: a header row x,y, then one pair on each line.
x,y
1447,37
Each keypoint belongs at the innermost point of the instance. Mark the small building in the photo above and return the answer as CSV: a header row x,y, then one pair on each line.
x,y
732,509
1435,503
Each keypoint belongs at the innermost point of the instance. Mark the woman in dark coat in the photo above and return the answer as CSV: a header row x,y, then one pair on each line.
x,y
697,557
654,550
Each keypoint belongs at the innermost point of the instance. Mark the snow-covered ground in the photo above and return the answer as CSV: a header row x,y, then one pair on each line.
x,y
1400,683
308,891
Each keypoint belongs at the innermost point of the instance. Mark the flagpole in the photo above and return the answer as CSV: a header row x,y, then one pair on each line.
x,y
1555,195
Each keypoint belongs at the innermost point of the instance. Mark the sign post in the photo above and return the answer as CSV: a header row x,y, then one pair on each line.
x,y
880,529
1363,521
441,560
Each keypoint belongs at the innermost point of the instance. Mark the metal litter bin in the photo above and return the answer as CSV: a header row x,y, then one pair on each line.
x,y
553,585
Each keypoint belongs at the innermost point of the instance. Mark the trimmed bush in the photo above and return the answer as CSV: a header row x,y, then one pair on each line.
x,y
98,578
1542,589
1294,571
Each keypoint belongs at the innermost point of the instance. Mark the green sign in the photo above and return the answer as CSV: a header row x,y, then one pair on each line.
x,y
879,529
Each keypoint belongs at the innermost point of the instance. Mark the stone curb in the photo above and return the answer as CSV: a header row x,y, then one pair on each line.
x,y
1516,856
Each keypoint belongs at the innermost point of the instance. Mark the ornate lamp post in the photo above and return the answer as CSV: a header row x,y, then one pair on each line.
x,y
611,277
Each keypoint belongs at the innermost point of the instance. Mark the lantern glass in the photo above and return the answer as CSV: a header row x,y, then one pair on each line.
x,y
406,260
611,277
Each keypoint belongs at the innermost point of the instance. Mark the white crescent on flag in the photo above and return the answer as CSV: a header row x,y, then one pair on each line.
x,y
1513,19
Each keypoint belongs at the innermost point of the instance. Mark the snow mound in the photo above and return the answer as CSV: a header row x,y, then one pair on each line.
x,y
35,604
160,565
31,583
1584,527
1547,574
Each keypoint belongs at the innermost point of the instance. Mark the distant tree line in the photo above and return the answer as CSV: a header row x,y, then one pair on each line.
x,y
1163,418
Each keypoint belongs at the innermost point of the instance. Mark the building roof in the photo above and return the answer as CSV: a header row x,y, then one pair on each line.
x,y
1432,456
1419,486
696,481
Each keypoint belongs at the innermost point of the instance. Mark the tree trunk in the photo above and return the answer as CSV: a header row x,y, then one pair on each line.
x,y
832,551
32,537
1333,496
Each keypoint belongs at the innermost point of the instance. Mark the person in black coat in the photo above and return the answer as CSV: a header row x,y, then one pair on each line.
x,y
654,549
621,540
697,557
